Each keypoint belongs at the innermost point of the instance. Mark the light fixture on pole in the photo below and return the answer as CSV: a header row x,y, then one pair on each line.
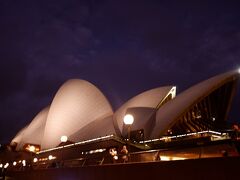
x,y
63,140
128,120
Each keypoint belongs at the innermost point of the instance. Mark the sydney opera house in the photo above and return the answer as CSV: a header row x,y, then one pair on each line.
x,y
81,113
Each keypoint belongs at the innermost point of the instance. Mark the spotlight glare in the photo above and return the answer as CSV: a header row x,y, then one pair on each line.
x,y
128,119
50,157
64,138
24,162
6,165
32,148
35,160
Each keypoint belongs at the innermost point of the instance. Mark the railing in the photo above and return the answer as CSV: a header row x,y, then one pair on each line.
x,y
212,151
102,157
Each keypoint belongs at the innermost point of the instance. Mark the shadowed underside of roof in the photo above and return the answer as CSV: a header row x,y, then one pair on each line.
x,y
202,106
95,129
143,107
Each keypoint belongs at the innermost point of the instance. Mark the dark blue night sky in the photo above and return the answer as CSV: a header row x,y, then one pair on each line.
x,y
123,47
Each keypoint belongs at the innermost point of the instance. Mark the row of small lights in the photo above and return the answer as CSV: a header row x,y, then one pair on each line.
x,y
50,157
78,143
23,162
182,135
94,151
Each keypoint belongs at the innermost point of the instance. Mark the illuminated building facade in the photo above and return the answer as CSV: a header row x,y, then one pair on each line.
x,y
80,111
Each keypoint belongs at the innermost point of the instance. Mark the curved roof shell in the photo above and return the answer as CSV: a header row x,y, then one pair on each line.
x,y
95,129
168,114
34,132
18,137
76,104
142,107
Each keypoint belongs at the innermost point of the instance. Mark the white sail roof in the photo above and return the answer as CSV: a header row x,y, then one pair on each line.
x,y
76,104
34,132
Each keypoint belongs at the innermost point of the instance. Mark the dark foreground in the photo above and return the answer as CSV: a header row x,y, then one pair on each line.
x,y
209,168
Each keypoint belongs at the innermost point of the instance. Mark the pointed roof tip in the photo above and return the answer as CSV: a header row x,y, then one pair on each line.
x,y
76,103
76,82
31,130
